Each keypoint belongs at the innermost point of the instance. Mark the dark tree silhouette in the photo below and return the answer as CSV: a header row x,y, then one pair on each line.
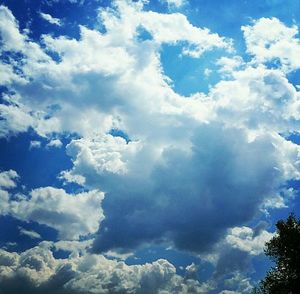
x,y
284,250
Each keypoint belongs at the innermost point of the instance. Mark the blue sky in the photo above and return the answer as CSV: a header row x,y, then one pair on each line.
x,y
146,146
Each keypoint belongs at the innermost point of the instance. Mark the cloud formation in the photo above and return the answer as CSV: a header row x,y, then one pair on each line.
x,y
37,271
222,174
174,170
72,215
187,156
268,39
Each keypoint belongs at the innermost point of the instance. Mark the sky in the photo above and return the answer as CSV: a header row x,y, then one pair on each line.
x,y
145,146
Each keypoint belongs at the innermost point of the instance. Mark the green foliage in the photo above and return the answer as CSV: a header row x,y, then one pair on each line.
x,y
284,250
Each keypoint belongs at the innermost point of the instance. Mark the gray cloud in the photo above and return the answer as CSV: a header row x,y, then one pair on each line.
x,y
192,197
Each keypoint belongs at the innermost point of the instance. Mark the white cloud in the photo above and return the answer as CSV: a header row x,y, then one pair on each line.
x,y
11,38
14,119
72,215
8,75
74,248
281,200
244,239
29,233
17,118
100,155
35,144
269,39
51,19
229,65
173,28
8,179
240,283
121,59
56,143
175,3
258,99
189,156
207,72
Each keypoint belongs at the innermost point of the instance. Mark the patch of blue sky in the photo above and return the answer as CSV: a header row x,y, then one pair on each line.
x,y
120,133
190,75
294,137
261,264
71,14
143,34
294,78
227,17
160,6
11,236
37,167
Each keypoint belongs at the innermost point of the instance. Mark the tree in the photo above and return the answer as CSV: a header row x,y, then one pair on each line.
x,y
284,250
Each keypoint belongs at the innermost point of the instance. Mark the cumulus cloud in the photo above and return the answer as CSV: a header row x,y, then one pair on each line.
x,y
121,57
189,168
168,132
37,271
229,65
244,238
15,119
227,176
257,98
11,39
71,215
99,156
8,179
268,39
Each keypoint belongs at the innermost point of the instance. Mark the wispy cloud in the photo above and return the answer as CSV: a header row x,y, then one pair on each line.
x,y
51,19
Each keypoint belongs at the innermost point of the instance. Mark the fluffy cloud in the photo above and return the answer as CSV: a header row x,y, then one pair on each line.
x,y
55,143
37,271
99,156
174,158
258,99
245,239
174,28
125,67
71,215
8,179
268,39
11,38
15,119
189,167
